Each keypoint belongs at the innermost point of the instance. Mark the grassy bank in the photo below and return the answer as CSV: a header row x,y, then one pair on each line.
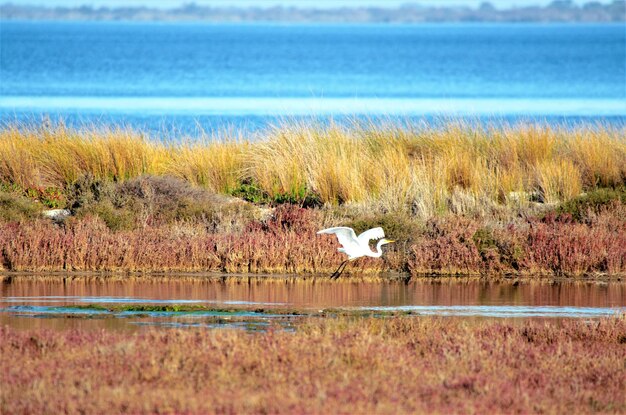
x,y
389,166
394,365
461,200
287,243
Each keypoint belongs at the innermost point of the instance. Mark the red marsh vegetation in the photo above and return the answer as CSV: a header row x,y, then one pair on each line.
x,y
344,365
286,242
527,199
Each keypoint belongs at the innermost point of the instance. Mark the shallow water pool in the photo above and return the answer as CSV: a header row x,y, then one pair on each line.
x,y
256,303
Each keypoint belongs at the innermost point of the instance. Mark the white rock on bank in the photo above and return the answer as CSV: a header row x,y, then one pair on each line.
x,y
56,214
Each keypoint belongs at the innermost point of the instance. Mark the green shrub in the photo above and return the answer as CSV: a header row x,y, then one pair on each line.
x,y
91,196
17,208
155,200
116,219
250,192
484,240
594,201
397,227
497,250
50,197
88,191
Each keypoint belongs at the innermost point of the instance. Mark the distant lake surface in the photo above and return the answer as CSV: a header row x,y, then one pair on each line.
x,y
206,76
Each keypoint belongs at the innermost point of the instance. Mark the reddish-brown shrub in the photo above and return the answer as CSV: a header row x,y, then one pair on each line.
x,y
446,247
565,247
287,243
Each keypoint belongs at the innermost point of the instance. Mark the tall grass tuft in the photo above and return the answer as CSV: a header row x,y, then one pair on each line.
x,y
387,167
215,165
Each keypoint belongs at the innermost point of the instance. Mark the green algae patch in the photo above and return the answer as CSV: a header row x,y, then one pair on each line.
x,y
193,308
360,313
186,308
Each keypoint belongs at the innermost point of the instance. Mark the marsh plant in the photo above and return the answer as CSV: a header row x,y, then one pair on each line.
x,y
458,199
393,167
342,365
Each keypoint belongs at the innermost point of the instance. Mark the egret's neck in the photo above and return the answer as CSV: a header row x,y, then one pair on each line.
x,y
379,251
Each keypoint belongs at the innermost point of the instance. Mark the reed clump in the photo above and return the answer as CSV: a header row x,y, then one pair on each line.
x,y
459,168
341,365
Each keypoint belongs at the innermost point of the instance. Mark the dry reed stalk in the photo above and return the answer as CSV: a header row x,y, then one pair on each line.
x,y
388,167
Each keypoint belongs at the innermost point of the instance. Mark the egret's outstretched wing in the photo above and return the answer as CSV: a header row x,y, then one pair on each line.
x,y
374,233
345,235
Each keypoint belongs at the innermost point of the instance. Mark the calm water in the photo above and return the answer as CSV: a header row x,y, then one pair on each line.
x,y
36,303
207,75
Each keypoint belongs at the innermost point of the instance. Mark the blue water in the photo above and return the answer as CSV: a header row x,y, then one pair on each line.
x,y
499,311
31,307
155,75
68,303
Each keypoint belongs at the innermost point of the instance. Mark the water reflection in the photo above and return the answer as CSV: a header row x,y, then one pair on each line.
x,y
56,303
325,293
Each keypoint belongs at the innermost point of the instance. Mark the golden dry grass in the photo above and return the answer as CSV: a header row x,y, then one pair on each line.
x,y
389,167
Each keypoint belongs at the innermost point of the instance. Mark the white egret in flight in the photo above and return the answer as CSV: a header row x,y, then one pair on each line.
x,y
356,246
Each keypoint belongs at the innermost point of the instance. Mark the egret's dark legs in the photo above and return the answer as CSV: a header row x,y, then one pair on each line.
x,y
339,270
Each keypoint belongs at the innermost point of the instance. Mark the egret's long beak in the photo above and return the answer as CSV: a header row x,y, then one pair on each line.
x,y
389,241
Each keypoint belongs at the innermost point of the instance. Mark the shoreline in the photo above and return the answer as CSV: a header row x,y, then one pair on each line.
x,y
193,277
520,202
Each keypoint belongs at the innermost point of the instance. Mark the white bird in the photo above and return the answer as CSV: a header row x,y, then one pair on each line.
x,y
356,246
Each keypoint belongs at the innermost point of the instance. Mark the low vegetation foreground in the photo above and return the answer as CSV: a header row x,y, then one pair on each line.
x,y
345,365
458,199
